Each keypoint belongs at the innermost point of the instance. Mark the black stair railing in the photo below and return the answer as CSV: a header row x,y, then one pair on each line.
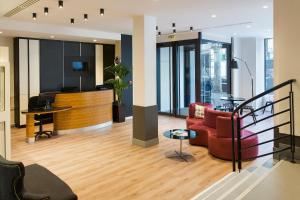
x,y
236,141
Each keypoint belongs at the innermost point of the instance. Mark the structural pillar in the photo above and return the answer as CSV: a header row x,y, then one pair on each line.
x,y
145,115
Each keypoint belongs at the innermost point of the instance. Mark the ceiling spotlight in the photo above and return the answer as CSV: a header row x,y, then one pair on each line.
x,y
52,36
265,7
159,33
173,25
213,16
101,11
34,16
174,31
85,16
191,29
72,20
95,40
1,32
60,3
46,10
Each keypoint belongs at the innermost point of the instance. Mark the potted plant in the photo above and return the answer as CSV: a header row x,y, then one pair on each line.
x,y
119,72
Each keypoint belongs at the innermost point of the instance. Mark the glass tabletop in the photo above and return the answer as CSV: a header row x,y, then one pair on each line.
x,y
180,134
233,98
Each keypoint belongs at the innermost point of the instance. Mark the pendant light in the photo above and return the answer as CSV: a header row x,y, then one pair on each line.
x,y
60,3
85,16
34,15
101,11
46,10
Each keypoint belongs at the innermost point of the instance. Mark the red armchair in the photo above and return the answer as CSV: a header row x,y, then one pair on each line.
x,y
215,132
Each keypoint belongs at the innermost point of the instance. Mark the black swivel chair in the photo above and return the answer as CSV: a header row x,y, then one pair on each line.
x,y
37,103
32,182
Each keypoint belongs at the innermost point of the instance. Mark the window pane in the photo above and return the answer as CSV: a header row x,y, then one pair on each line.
x,y
269,70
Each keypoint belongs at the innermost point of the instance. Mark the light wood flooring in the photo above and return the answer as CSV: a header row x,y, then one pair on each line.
x,y
104,164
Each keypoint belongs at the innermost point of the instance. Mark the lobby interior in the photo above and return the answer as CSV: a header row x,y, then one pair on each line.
x,y
101,100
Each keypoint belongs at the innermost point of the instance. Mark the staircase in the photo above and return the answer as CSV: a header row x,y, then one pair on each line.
x,y
254,183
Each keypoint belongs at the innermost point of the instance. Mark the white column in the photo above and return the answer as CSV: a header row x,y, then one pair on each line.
x,y
144,81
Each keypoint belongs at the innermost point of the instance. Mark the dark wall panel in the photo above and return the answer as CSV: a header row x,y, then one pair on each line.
x,y
51,65
72,53
126,59
108,58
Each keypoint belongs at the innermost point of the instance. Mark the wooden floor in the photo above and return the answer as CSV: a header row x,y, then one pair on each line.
x,y
105,165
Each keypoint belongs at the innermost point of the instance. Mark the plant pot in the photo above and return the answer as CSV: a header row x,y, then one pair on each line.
x,y
118,112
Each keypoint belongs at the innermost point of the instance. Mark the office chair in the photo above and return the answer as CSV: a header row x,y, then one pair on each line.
x,y
37,103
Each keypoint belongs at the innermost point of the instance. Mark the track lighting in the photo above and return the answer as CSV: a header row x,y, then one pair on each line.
x,y
60,3
72,21
34,15
46,10
85,16
101,11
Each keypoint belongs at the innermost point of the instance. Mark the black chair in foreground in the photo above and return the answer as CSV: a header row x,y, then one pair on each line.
x,y
39,103
33,182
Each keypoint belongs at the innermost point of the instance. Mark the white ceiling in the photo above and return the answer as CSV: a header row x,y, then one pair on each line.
x,y
185,13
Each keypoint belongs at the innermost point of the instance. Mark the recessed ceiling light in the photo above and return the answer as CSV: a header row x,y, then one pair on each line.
x,y
265,6
52,36
1,32
248,26
213,16
95,40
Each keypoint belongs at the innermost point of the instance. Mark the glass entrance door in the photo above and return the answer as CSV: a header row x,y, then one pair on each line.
x,y
215,71
164,79
176,77
185,78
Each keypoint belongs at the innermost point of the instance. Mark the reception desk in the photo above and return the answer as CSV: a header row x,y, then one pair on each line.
x,y
89,110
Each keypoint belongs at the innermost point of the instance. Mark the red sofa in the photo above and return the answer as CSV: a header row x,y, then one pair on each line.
x,y
215,132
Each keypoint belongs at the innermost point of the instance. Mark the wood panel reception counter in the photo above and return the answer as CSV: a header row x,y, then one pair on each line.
x,y
89,110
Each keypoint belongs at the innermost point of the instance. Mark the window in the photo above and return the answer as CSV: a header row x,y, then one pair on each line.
x,y
269,70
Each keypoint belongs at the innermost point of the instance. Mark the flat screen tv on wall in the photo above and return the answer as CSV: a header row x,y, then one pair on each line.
x,y
79,66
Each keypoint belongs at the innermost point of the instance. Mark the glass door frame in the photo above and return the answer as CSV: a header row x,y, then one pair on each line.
x,y
228,46
174,65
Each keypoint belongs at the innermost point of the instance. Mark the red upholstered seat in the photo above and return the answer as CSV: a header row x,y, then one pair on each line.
x,y
215,132
222,147
193,121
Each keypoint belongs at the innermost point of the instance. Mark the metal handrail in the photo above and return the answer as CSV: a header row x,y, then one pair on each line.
x,y
238,127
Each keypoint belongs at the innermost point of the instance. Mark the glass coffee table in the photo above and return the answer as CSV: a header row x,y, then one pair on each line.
x,y
180,134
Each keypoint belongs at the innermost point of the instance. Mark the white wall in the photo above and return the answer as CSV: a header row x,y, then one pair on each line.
x,y
250,50
286,51
9,42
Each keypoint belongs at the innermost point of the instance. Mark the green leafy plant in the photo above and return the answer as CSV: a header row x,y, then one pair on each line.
x,y
119,71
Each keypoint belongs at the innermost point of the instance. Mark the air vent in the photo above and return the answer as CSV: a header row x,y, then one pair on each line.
x,y
20,7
